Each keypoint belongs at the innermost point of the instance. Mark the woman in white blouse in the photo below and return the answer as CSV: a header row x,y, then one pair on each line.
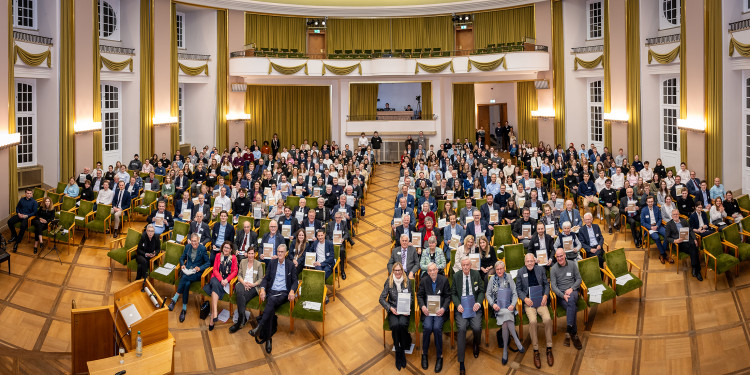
x,y
667,207
717,213
662,194
463,251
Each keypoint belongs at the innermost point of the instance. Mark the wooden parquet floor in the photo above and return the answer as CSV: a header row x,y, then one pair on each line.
x,y
681,326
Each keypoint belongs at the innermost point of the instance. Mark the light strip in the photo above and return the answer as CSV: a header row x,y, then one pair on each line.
x,y
85,127
616,116
543,113
165,120
692,124
238,116
9,140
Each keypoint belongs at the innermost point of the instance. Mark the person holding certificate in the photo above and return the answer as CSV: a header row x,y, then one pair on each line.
x,y
224,270
194,261
148,247
396,300
271,241
542,246
678,232
298,248
338,232
532,288
324,255
183,208
568,242
434,300
467,292
249,274
432,255
524,228
502,297
161,218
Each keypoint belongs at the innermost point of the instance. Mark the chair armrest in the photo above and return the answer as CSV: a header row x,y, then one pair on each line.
x,y
206,273
88,216
158,257
610,275
746,212
583,253
167,234
606,245
485,307
709,254
118,241
733,246
584,290
744,232
130,253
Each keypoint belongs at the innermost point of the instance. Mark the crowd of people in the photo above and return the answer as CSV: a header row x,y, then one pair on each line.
x,y
453,196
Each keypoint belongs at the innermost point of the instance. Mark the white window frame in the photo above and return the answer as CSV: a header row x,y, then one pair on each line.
x,y
180,28
595,111
663,22
111,156
181,112
115,4
34,15
590,30
670,156
32,116
745,6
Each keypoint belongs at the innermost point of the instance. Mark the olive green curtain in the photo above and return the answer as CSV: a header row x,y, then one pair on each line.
x,y
487,66
503,26
147,78
633,74
363,101
275,31
115,66
587,64
607,105
464,116
287,70
222,69
97,100
12,154
423,32
67,89
663,58
558,70
34,59
342,70
427,101
294,112
713,32
683,81
741,48
358,34
193,71
434,68
528,127
174,83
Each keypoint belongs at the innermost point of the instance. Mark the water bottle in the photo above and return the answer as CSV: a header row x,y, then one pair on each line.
x,y
139,345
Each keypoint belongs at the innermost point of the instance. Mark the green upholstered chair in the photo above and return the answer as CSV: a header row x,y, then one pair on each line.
x,y
733,241
334,277
560,310
674,171
59,190
263,228
56,198
171,254
123,251
514,257
312,288
181,229
413,317
100,220
144,206
591,276
67,232
744,202
715,257
447,323
292,202
502,235
618,265
241,222
82,213
674,252
39,193
68,204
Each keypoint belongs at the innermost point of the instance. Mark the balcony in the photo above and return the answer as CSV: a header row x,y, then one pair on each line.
x,y
19,36
739,26
116,50
193,56
666,39
587,49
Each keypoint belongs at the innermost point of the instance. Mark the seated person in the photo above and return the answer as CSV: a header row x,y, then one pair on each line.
x,y
183,208
490,209
164,220
121,202
249,275
223,231
424,213
148,247
608,200
203,208
689,246
518,228
432,255
222,202
272,240
651,221
453,229
44,215
87,193
324,255
245,241
567,235
591,239
435,284
194,259
463,252
685,204
542,242
571,215
478,227
224,270
71,189
629,207
198,226
699,221
153,181
406,255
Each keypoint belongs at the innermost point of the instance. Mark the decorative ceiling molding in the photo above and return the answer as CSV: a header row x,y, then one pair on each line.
x,y
300,9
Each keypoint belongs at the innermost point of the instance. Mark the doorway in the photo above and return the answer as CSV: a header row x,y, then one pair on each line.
x,y
316,44
464,40
488,115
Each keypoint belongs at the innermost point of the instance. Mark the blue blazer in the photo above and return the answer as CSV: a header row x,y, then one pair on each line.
x,y
312,248
409,201
483,224
178,207
575,220
447,234
125,198
583,236
646,218
266,238
201,259
694,220
228,232
291,276
431,200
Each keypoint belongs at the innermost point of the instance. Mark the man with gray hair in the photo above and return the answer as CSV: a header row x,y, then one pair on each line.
x,y
535,276
406,255
565,283
467,284
433,290
406,226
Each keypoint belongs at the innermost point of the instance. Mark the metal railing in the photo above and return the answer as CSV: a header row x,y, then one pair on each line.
x,y
666,39
31,38
739,25
376,54
587,49
384,116
116,50
193,56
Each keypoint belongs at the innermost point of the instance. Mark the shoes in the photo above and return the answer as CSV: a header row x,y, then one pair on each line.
x,y
253,331
505,358
566,342
662,259
268,346
211,327
171,305
237,326
522,350
15,246
438,364
537,359
326,300
670,259
576,342
461,369
182,316
425,362
42,246
550,357
476,351
37,250
117,233
610,230
343,275
697,275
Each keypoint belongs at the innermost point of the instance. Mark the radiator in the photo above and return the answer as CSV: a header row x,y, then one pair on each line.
x,y
184,149
30,176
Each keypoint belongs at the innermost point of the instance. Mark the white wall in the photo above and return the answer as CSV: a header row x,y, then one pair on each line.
x,y
574,24
131,99
399,95
200,92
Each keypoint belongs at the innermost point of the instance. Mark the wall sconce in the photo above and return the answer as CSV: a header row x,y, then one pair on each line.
x,y
548,113
86,127
165,120
692,124
616,117
238,116
9,140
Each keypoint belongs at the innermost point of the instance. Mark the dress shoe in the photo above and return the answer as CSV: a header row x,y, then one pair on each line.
x,y
439,364
268,346
425,362
117,233
550,357
476,351
662,259
15,246
504,358
36,249
537,359
566,342
237,326
461,369
182,316
42,246
211,327
253,331
171,305
670,259
697,275
610,230
13,239
576,342
522,350
343,275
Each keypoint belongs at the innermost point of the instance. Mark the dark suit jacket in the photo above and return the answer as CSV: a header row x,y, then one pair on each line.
x,y
549,244
169,220
329,254
477,287
178,207
126,199
583,236
400,230
442,289
206,212
266,238
646,219
181,180
518,226
272,268
624,207
412,259
694,220
470,230
485,211
344,230
201,258
293,223
522,282
228,232
672,233
699,197
205,231
240,236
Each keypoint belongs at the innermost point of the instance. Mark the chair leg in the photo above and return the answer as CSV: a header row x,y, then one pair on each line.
x,y
614,305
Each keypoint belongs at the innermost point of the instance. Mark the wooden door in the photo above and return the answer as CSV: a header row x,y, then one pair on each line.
x,y
483,120
464,41
316,44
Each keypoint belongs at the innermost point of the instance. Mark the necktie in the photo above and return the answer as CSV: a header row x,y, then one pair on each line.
x,y
403,257
466,285
244,241
119,200
338,226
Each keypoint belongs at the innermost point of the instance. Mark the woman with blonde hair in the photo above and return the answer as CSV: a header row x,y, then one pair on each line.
x,y
463,251
398,286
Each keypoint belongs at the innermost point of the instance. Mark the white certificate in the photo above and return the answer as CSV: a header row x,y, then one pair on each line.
x,y
403,305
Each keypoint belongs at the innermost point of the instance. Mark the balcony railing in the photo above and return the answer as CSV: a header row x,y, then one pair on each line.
x,y
116,50
31,38
587,49
739,25
385,116
666,39
193,56
375,54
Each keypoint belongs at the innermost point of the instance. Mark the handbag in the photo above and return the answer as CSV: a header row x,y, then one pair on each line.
x,y
205,309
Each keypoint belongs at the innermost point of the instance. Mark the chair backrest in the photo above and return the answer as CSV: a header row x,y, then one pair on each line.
x,y
336,252
54,197
61,187
67,219
313,283
441,207
263,229
173,253
181,227
312,202
102,211
712,244
479,202
617,262
746,223
503,235
85,208
674,171
590,273
132,238
514,256
241,221
292,202
461,203
732,234
39,193
744,202
68,203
